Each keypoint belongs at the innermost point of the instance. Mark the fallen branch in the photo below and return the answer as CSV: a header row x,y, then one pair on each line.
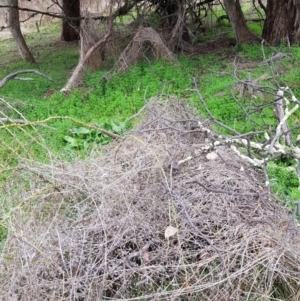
x,y
265,148
78,72
283,116
5,120
278,56
21,121
42,123
14,74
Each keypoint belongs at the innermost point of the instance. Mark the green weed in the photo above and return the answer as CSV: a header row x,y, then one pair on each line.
x,y
84,138
256,27
99,101
284,181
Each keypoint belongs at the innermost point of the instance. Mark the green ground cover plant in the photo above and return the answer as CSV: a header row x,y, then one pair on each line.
x,y
112,102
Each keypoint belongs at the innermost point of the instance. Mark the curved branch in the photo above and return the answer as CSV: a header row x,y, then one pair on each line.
x,y
75,78
14,74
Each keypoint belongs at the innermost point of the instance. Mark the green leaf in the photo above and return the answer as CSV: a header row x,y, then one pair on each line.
x,y
118,128
85,145
104,125
73,142
80,131
104,140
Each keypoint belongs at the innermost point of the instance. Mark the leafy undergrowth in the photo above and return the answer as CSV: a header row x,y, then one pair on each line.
x,y
43,193
100,102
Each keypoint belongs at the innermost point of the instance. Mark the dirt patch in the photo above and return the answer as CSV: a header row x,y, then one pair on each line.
x,y
222,45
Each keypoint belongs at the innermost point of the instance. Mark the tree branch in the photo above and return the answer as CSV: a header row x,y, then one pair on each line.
x,y
13,76
75,78
78,72
123,10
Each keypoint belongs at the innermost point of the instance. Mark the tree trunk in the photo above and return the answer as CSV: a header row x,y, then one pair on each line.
x,y
77,74
70,28
238,23
282,22
14,25
173,14
88,38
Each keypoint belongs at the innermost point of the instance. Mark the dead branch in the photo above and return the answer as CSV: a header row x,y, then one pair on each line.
x,y
75,79
42,123
5,120
15,74
22,121
282,120
121,11
278,56
269,147
96,226
53,15
196,90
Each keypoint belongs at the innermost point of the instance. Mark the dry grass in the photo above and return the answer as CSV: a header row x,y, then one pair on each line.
x,y
94,230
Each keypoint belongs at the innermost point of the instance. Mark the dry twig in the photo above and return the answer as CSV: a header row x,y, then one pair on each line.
x,y
101,234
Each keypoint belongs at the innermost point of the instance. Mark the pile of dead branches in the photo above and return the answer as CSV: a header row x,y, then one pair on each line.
x,y
152,218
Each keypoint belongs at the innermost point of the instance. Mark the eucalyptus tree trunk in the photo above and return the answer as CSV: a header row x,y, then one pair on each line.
x,y
236,17
70,27
282,22
14,25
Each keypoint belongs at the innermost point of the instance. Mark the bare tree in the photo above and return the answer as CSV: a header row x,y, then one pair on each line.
x,y
14,24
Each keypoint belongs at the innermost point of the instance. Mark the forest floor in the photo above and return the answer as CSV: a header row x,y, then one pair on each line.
x,y
101,102
147,211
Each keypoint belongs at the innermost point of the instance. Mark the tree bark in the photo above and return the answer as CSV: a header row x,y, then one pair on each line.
x,y
173,13
236,17
77,74
14,25
282,22
70,28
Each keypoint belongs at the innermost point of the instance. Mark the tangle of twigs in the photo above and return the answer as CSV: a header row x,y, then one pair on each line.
x,y
95,229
